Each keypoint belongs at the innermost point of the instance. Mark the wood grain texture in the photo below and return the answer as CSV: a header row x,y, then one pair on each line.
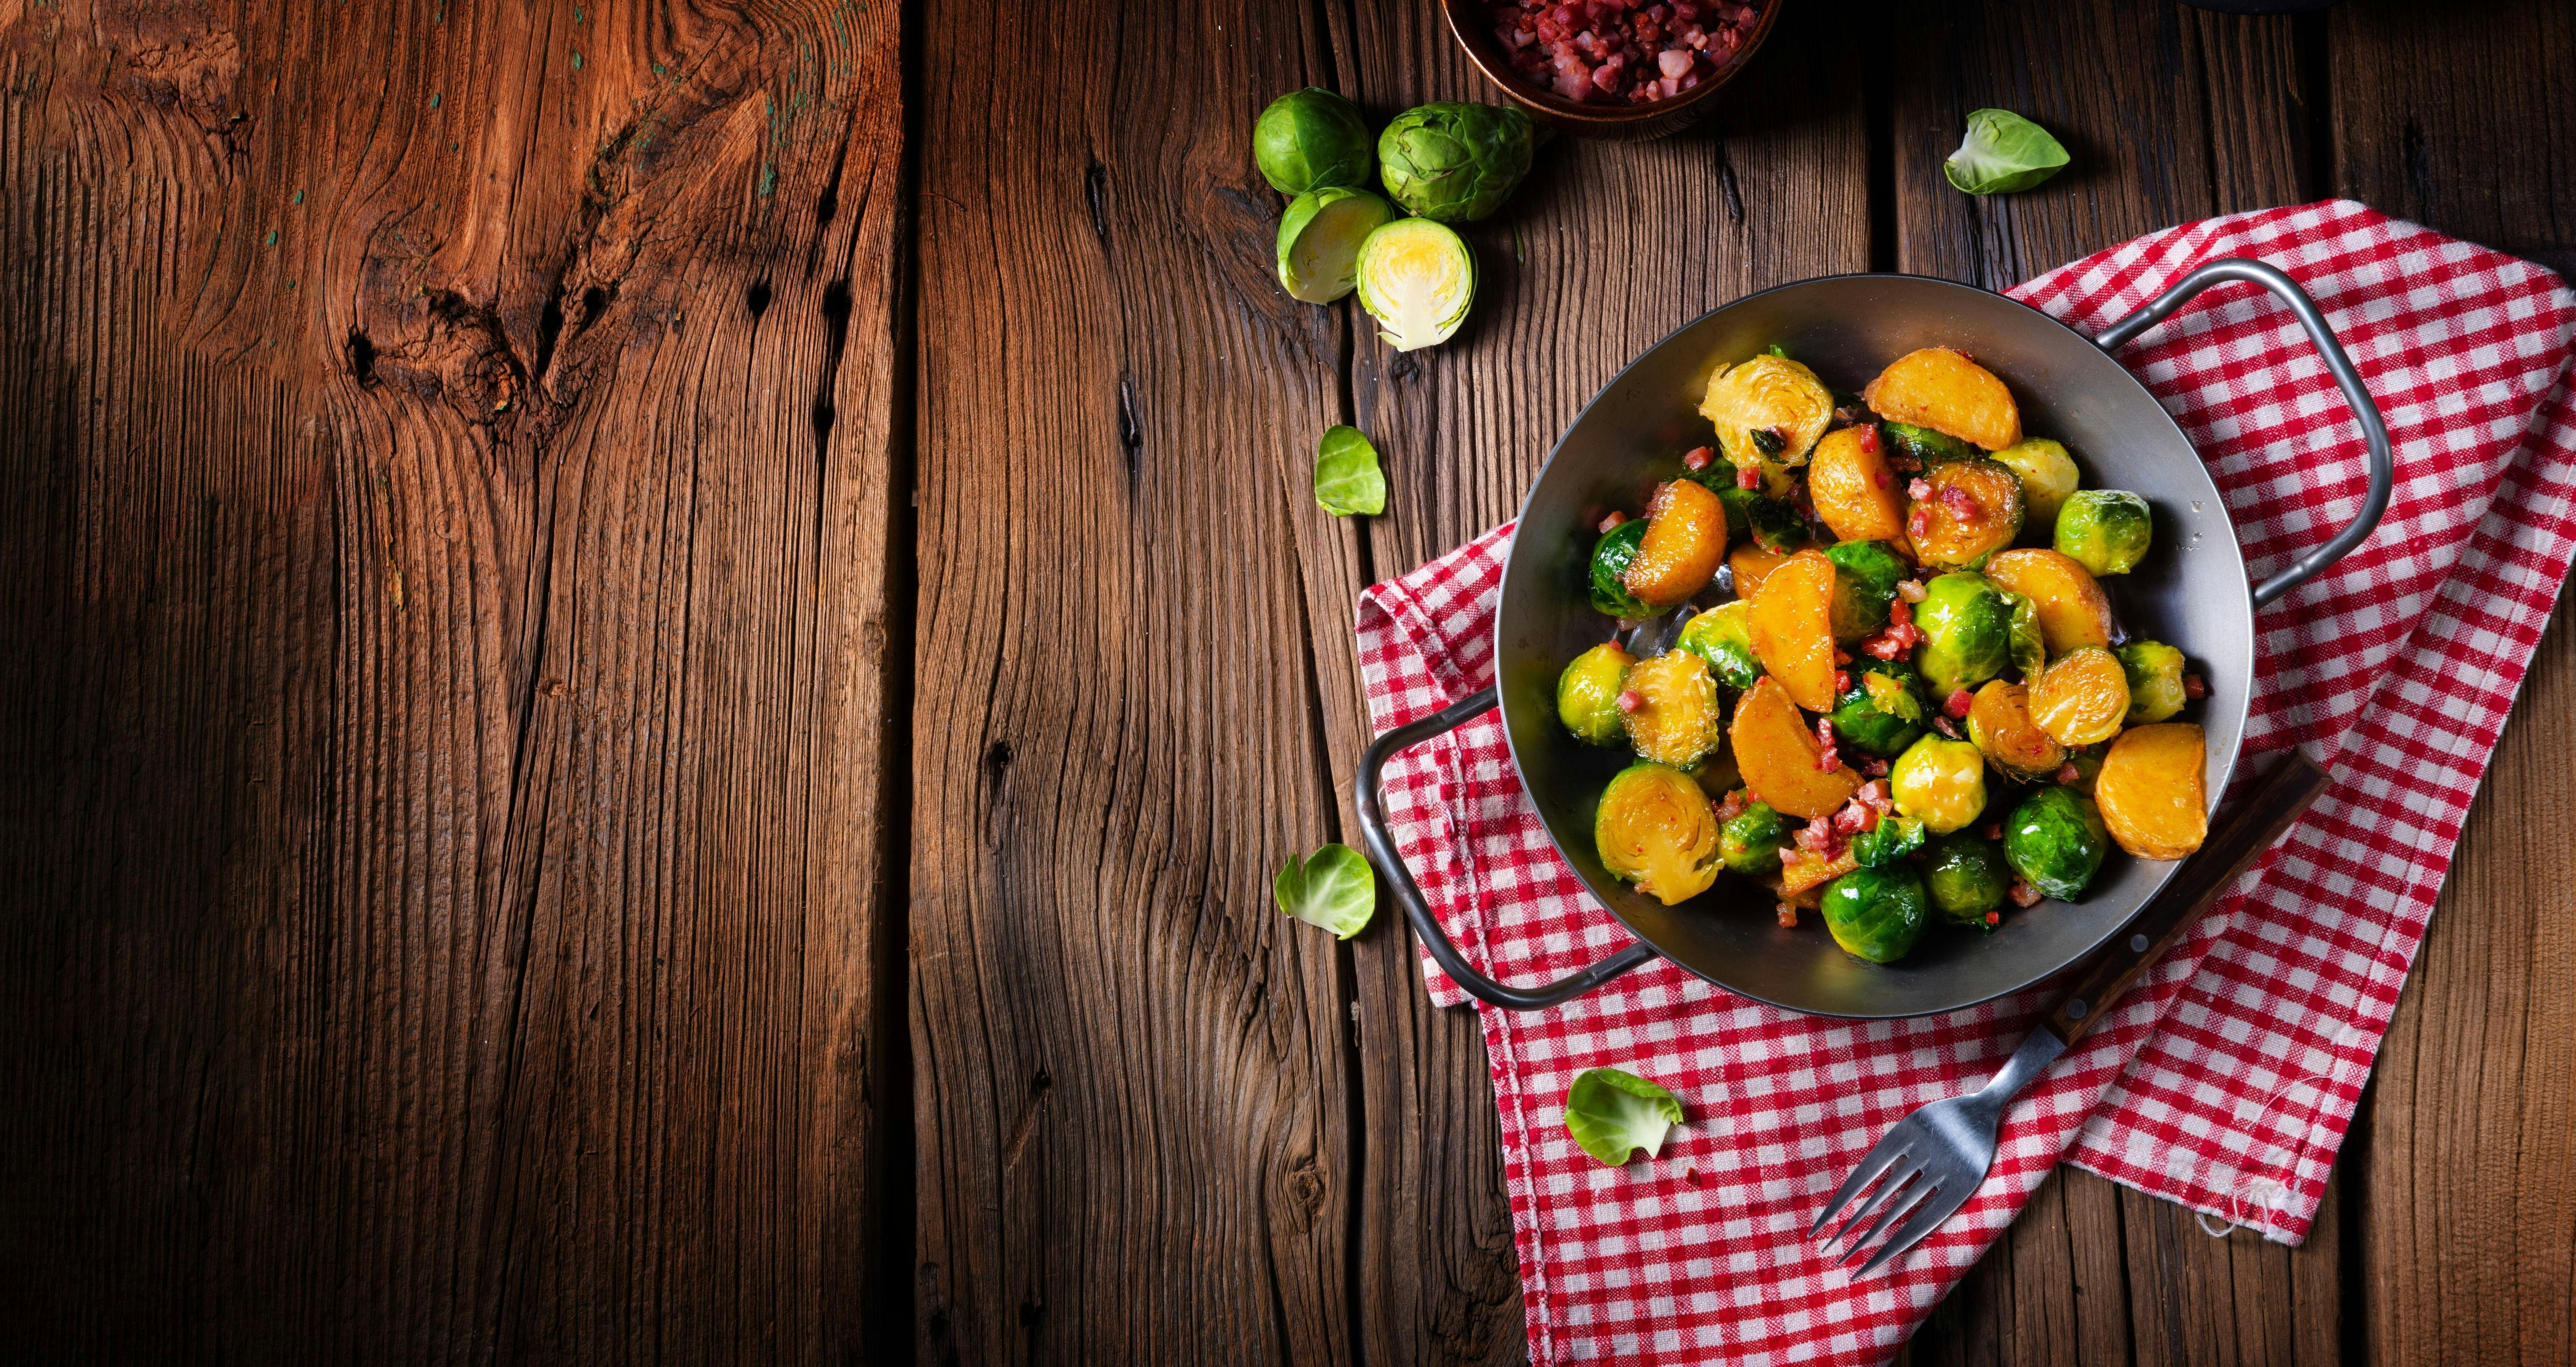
x,y
441,854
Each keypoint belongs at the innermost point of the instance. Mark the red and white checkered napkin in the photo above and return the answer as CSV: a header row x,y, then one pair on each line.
x,y
2226,1079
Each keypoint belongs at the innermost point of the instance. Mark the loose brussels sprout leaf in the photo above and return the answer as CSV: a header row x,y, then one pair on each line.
x,y
1967,632
1893,838
2047,478
1612,1114
1941,783
1334,889
2106,531
1310,138
1656,829
1966,877
2056,839
1876,914
1455,163
1927,447
1771,522
1416,278
1587,695
1750,842
1880,728
2003,152
1865,579
2155,680
1723,637
2026,643
1610,558
1320,237
1347,479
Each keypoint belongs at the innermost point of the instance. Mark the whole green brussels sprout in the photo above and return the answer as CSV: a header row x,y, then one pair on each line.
x,y
1967,631
2055,839
2106,531
1610,557
1309,138
2047,478
1723,636
1941,783
1865,579
1750,841
1926,446
2026,644
1893,838
2155,680
1455,163
1876,914
1587,695
1967,878
1772,523
1882,717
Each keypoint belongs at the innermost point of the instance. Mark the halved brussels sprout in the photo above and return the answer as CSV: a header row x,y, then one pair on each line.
x,y
1655,829
2106,531
1455,162
1685,543
1311,138
1771,522
2081,697
1416,278
2028,641
1876,914
1999,722
1677,721
1587,695
1865,578
1927,447
1893,838
1723,637
1940,388
1966,877
1750,842
2056,840
1954,533
1967,632
1941,783
1611,556
1320,237
2155,680
1879,713
2047,478
1768,410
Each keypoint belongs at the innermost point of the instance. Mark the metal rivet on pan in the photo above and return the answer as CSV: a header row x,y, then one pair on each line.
x,y
2075,1009
2137,944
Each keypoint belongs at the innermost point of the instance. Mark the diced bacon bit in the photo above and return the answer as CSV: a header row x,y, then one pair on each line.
x,y
1855,817
1557,44
2024,895
1994,918
1994,830
1791,856
1747,477
1961,504
1941,722
1630,700
1908,592
1611,523
1901,635
1958,703
1918,523
1732,805
1842,681
1826,759
1697,458
1874,793
1815,840
1873,766
1869,441
2193,686
1841,656
1788,914
1918,489
2066,773
1882,478
1691,1175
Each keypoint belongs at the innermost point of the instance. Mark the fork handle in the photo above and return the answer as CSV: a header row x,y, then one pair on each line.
x,y
2241,838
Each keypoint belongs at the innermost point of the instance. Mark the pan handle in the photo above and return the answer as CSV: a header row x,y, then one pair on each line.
x,y
2374,433
1381,847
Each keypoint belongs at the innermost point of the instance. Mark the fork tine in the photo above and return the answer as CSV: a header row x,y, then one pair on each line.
x,y
1880,1158
1895,1204
1874,1202
1936,1208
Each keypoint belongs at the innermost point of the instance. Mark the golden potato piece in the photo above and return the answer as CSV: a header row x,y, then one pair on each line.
x,y
1999,722
1685,541
1777,755
1942,389
1774,396
1791,624
2082,697
1812,873
1852,487
2154,790
1753,564
2073,610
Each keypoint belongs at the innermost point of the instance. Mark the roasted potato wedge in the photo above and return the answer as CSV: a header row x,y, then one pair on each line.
x,y
1942,389
1685,542
2154,790
1793,634
2073,610
1777,755
1854,491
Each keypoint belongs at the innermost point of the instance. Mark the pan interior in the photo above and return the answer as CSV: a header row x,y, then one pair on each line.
x,y
2190,593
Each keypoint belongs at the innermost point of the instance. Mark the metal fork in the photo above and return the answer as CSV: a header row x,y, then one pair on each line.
x,y
1935,1159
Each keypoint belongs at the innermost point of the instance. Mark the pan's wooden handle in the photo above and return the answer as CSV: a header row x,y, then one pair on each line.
x,y
2242,836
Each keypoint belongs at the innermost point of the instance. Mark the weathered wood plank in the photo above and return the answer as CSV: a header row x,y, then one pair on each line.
x,y
442,845
1130,1070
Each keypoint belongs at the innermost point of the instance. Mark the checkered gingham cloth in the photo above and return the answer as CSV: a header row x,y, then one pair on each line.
x,y
2225,1080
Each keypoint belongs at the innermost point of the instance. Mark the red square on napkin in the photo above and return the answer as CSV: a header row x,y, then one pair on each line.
x,y
2226,1079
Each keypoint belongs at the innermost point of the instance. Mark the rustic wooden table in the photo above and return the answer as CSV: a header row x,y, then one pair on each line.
x,y
662,654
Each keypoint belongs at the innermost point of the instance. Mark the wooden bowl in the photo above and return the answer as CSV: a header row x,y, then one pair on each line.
x,y
1625,122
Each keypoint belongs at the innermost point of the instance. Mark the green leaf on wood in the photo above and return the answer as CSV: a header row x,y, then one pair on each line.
x,y
2003,152
1347,478
1335,889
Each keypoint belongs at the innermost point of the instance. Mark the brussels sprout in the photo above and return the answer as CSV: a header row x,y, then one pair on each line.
x,y
1967,878
2106,531
1941,783
1320,237
1455,163
1876,914
1718,774
1723,637
2055,840
2088,767
1587,695
1879,713
1967,631
1769,412
1893,838
2155,680
1927,447
1677,720
1750,842
1416,278
1951,533
1771,522
2047,477
1655,829
1865,579
1610,557
2025,642
1311,138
